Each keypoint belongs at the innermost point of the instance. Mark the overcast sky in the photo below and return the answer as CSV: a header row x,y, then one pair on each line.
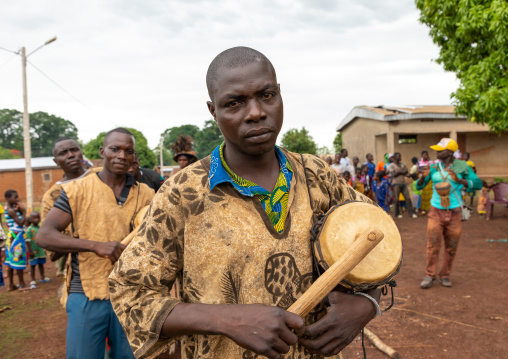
x,y
142,63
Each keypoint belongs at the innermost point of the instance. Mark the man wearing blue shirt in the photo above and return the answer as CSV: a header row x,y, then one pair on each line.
x,y
445,222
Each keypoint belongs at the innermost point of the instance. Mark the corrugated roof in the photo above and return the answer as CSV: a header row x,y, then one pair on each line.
x,y
19,163
397,113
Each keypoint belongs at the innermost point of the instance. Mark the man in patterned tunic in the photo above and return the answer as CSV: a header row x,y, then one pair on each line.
x,y
234,230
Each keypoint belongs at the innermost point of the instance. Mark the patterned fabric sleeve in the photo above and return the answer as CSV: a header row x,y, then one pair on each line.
x,y
324,178
143,276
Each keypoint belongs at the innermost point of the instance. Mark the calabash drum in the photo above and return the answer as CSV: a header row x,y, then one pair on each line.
x,y
341,226
443,189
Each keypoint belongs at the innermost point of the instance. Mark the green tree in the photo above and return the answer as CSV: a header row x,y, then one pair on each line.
x,y
44,130
146,155
208,138
299,141
473,40
11,129
171,135
6,154
337,142
205,139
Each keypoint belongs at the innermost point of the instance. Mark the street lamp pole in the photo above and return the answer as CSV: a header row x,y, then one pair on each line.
x,y
27,148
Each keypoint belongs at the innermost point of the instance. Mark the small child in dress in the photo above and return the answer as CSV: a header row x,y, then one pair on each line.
x,y
482,200
15,248
359,186
37,254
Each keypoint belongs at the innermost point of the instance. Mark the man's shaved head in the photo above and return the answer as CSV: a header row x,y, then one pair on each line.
x,y
118,130
232,58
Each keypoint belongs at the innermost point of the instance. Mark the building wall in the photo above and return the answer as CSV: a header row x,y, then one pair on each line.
x,y
451,126
359,138
43,179
423,142
488,151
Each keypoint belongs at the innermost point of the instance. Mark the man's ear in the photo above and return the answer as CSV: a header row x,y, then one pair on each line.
x,y
101,152
55,162
211,108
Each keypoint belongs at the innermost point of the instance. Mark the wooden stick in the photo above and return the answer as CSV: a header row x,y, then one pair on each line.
x,y
380,345
129,238
332,277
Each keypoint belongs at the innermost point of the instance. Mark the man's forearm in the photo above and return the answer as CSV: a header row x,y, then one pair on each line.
x,y
55,241
188,319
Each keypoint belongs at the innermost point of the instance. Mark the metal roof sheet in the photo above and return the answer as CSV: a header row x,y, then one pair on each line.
x,y
19,163
396,113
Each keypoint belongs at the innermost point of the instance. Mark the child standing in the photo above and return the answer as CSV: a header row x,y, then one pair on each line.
x,y
381,188
359,186
37,254
482,200
15,249
3,238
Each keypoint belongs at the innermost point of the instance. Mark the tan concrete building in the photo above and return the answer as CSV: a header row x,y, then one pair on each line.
x,y
411,129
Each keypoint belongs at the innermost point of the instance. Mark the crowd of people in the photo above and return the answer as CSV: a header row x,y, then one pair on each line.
x,y
393,186
439,191
214,228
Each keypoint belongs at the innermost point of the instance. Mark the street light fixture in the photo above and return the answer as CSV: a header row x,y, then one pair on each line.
x,y
26,131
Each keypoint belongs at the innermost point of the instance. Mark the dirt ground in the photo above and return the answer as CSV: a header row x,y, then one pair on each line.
x,y
469,320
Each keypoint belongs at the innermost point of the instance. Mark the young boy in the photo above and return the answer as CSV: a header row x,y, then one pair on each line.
x,y
37,254
15,249
380,188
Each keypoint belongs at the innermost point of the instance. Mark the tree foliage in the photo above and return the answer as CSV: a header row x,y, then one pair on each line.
x,y
205,139
337,142
473,40
209,138
299,141
6,154
44,130
146,155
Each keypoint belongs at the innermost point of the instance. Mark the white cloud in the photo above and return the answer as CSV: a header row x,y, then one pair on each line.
x,y
142,64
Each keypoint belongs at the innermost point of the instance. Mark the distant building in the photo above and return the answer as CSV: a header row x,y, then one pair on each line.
x,y
44,172
411,129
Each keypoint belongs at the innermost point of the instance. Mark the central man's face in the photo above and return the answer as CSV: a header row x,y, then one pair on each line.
x,y
247,106
118,152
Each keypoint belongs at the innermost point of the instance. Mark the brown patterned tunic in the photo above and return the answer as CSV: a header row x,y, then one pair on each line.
x,y
223,249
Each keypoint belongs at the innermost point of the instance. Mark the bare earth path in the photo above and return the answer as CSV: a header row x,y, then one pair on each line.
x,y
469,320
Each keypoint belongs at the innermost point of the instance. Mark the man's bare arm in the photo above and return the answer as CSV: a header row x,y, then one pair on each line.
x,y
50,237
266,330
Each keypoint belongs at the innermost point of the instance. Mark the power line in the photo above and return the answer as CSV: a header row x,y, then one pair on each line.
x,y
10,58
60,87
14,52
67,92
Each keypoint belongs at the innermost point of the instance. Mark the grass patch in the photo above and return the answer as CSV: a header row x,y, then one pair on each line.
x,y
15,323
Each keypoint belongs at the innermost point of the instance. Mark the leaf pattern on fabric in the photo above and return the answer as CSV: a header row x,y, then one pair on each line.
x,y
231,284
